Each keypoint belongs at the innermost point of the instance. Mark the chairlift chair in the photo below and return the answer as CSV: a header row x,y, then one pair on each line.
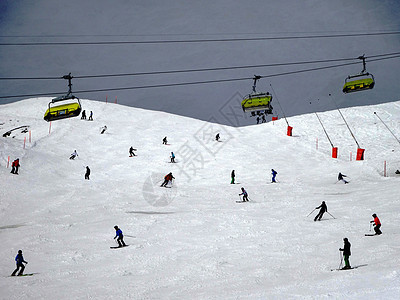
x,y
256,102
354,84
67,110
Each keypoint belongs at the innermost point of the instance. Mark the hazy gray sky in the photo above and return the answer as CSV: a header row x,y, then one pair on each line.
x,y
102,20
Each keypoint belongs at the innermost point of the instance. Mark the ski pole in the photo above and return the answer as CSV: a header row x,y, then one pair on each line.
x,y
370,225
341,259
311,212
240,198
331,215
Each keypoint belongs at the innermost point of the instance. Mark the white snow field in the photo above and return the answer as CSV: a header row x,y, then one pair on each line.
x,y
193,241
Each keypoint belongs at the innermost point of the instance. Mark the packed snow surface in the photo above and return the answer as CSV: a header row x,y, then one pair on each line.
x,y
193,240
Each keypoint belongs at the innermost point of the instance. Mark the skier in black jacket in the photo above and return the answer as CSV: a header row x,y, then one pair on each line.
x,y
346,253
340,178
20,260
87,174
323,209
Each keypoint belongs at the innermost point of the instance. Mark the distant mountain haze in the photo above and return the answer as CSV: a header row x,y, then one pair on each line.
x,y
106,21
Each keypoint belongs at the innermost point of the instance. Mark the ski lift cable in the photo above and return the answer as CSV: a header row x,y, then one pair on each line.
x,y
187,34
201,40
195,82
202,69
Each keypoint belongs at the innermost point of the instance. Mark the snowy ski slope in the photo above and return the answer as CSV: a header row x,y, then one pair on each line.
x,y
193,241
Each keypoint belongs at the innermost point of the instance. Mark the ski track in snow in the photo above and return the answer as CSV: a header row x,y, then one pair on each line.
x,y
194,241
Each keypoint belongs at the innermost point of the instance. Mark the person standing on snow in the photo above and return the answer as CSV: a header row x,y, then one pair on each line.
x,y
87,174
340,178
245,195
233,177
131,153
119,236
91,116
172,157
14,166
164,141
346,253
263,119
73,155
20,260
83,115
273,175
217,137
167,179
377,224
323,209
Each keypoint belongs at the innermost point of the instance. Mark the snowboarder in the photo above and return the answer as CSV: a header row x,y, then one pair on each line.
x,y
273,175
83,115
245,195
377,224
20,260
323,209
87,174
103,129
167,179
346,253
131,153
73,155
233,177
14,166
91,116
164,141
172,157
217,137
340,178
119,236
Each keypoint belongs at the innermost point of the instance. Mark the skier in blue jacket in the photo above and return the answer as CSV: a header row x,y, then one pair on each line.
x,y
172,157
273,175
119,236
20,260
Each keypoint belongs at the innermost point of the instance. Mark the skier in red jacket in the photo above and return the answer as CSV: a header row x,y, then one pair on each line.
x,y
167,179
377,224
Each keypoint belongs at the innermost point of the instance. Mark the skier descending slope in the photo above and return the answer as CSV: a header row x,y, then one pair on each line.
x,y
377,224
20,260
323,209
340,178
167,179
131,153
245,195
87,174
172,157
119,236
233,177
73,155
273,175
